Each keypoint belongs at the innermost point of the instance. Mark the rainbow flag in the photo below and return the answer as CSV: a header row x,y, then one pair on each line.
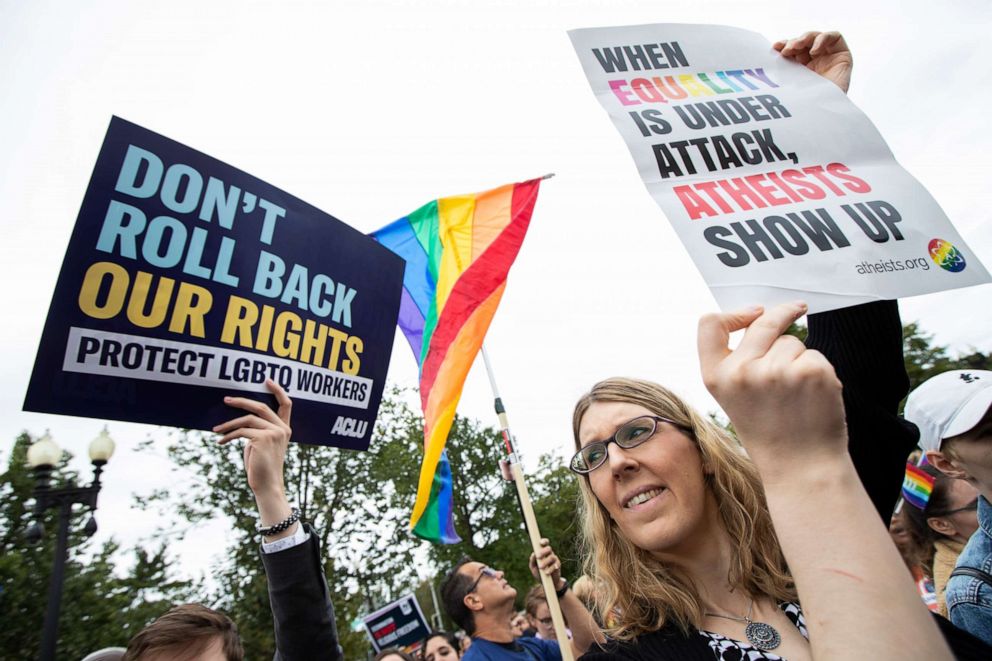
x,y
917,486
458,251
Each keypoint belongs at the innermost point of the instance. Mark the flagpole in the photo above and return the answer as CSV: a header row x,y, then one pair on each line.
x,y
516,470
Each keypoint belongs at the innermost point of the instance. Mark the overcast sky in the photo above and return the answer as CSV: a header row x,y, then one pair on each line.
x,y
368,109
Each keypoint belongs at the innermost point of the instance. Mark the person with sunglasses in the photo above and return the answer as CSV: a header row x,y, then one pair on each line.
x,y
478,599
942,527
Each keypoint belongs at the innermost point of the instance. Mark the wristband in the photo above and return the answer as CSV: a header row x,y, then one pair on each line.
x,y
561,593
282,525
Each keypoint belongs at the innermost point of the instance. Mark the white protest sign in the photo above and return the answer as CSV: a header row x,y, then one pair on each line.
x,y
778,186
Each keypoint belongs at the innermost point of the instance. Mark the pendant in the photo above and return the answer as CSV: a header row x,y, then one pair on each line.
x,y
763,636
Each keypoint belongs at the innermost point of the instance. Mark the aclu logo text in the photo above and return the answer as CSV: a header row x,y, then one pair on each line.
x,y
344,426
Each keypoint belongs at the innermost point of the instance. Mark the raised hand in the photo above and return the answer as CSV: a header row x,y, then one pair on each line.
x,y
783,399
785,403
267,433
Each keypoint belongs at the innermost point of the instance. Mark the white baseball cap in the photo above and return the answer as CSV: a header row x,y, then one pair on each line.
x,y
949,404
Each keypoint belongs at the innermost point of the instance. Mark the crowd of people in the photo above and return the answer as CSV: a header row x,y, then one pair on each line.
x,y
768,544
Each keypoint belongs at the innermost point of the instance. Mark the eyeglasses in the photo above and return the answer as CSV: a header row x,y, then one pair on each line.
x,y
486,571
629,436
970,507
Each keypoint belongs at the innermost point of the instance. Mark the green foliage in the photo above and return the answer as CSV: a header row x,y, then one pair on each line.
x,y
487,512
925,359
797,330
339,493
555,491
99,607
360,502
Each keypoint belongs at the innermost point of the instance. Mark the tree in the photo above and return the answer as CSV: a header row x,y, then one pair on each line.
x,y
486,511
98,608
360,502
485,507
555,491
925,359
346,495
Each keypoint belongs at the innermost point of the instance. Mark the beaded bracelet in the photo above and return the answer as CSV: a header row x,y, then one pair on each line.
x,y
282,525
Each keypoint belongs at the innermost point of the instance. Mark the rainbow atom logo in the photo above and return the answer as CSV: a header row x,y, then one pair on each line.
x,y
946,256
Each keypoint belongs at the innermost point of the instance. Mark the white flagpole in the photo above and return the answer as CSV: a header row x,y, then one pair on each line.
x,y
530,520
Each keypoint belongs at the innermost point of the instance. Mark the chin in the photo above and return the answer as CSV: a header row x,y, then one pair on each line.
x,y
658,544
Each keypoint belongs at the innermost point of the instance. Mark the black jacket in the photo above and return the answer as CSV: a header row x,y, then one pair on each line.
x,y
301,604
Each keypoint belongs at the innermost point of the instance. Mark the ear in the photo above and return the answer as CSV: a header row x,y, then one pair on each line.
x,y
946,466
941,525
472,602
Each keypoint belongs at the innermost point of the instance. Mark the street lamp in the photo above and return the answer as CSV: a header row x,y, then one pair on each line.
x,y
43,456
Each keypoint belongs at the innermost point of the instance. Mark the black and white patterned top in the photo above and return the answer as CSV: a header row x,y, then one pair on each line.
x,y
728,649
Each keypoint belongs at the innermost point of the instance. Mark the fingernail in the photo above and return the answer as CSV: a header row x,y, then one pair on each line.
x,y
801,305
227,399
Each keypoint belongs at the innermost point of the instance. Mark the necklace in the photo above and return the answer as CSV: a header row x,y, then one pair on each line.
x,y
761,635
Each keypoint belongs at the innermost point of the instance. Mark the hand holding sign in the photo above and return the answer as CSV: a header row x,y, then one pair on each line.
x,y
784,400
824,53
187,279
267,434
777,185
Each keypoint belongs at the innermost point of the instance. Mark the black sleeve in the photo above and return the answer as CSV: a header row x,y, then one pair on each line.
x,y
964,646
301,604
864,344
667,644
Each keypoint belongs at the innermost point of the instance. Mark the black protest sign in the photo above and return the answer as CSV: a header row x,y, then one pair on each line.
x,y
186,280
400,624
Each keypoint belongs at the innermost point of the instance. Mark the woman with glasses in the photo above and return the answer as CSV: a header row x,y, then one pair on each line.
x,y
684,522
942,527
677,528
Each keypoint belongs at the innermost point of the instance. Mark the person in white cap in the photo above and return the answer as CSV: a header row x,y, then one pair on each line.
x,y
953,411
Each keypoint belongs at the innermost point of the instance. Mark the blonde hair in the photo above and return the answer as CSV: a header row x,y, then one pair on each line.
x,y
640,593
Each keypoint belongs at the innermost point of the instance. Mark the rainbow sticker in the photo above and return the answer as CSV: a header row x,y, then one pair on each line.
x,y
917,486
946,256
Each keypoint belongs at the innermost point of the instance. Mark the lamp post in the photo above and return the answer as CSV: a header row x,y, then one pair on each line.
x,y
43,456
